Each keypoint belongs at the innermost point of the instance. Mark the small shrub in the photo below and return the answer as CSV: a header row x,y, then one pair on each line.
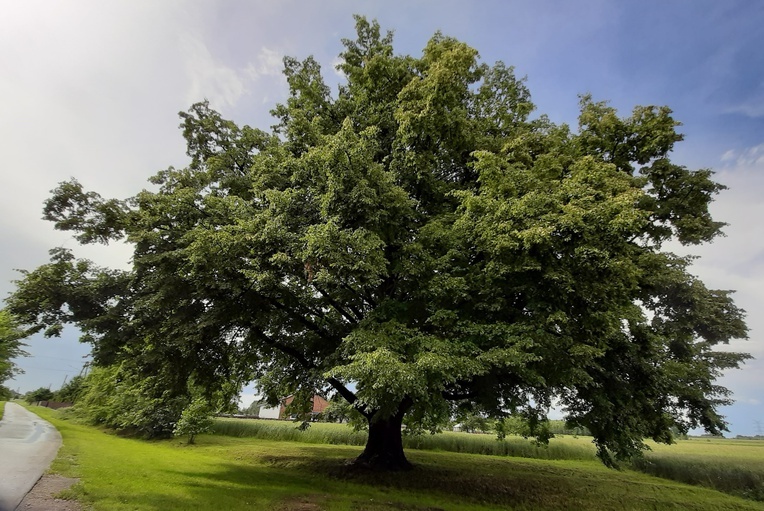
x,y
41,394
196,418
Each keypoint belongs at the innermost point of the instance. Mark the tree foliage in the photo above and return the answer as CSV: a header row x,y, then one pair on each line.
x,y
10,345
416,241
40,394
71,391
195,419
141,405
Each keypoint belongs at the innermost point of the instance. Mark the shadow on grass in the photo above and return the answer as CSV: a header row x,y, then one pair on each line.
x,y
305,480
234,486
275,489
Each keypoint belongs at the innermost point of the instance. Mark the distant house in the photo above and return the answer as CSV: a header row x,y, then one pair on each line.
x,y
279,412
269,412
319,405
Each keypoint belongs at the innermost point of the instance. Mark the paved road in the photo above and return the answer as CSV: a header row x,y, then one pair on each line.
x,y
28,445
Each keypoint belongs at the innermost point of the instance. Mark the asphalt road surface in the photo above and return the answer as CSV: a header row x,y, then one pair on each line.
x,y
28,445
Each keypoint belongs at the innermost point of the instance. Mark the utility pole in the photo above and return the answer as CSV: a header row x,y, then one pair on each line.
x,y
758,428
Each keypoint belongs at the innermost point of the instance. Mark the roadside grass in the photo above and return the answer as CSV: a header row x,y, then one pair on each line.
x,y
731,466
231,473
2,409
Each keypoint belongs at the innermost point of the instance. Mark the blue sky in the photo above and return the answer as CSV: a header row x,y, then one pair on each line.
x,y
91,89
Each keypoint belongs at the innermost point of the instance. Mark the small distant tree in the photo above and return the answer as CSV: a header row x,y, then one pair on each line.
x,y
41,394
6,394
70,391
196,418
253,409
339,410
472,421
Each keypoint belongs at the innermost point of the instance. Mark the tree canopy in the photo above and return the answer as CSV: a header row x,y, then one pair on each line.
x,y
10,346
415,242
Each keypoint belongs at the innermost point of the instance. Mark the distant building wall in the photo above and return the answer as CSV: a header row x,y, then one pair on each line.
x,y
319,405
269,413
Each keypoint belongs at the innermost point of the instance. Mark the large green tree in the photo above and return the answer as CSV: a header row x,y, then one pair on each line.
x,y
416,241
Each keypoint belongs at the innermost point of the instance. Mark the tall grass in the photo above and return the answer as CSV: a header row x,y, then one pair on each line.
x,y
731,466
341,434
733,479
317,433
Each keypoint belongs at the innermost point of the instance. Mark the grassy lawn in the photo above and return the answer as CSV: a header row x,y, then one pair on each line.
x,y
229,473
2,409
731,466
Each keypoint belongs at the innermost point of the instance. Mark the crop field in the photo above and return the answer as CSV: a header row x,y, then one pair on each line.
x,y
732,466
304,474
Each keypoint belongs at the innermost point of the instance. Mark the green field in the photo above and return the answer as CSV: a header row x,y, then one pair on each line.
x,y
732,466
230,473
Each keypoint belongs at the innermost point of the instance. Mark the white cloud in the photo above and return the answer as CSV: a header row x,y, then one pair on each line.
x,y
753,106
753,109
335,63
223,85
209,78
736,261
748,160
268,63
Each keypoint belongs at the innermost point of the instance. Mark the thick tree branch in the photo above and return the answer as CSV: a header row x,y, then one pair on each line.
x,y
284,348
349,396
364,297
337,306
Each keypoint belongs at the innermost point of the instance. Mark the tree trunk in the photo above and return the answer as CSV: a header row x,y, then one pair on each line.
x,y
384,447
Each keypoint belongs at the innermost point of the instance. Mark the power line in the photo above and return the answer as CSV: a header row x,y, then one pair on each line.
x,y
59,358
72,370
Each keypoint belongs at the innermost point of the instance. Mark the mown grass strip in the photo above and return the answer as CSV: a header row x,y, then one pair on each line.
x,y
245,473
